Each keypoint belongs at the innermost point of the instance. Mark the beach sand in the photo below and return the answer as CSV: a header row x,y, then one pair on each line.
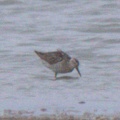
x,y
25,115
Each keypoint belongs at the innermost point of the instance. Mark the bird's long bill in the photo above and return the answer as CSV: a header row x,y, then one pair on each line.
x,y
78,71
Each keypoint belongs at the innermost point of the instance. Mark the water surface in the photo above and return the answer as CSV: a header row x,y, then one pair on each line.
x,y
89,31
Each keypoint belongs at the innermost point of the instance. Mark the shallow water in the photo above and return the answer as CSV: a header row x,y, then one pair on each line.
x,y
89,31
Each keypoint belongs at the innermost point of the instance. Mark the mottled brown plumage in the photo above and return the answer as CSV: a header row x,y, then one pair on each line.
x,y
53,57
58,61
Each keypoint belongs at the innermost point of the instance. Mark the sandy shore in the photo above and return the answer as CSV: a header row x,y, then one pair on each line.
x,y
62,116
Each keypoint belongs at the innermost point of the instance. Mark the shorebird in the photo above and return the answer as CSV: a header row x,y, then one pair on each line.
x,y
59,62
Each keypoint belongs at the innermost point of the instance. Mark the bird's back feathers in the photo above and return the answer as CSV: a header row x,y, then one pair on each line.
x,y
53,57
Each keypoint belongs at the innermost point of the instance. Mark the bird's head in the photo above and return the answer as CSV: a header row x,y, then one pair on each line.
x,y
75,64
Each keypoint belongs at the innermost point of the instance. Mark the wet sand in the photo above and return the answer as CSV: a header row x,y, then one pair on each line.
x,y
25,115
67,117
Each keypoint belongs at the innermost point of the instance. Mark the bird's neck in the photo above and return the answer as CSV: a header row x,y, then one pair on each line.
x,y
71,65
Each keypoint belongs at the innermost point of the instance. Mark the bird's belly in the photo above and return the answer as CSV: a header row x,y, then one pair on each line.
x,y
60,68
46,64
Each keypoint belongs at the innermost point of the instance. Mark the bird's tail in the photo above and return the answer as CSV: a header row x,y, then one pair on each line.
x,y
39,53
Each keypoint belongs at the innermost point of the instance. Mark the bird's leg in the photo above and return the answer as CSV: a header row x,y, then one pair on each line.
x,y
55,76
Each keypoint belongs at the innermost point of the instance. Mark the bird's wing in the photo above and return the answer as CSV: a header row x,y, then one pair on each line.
x,y
53,57
65,55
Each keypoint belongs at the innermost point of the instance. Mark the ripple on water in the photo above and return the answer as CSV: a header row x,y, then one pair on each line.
x,y
88,31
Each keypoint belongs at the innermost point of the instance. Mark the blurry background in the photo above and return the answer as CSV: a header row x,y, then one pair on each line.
x,y
87,30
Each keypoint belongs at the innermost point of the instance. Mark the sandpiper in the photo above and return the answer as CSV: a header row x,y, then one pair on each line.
x,y
59,62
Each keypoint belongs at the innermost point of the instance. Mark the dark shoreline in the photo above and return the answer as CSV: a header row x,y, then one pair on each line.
x,y
63,116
